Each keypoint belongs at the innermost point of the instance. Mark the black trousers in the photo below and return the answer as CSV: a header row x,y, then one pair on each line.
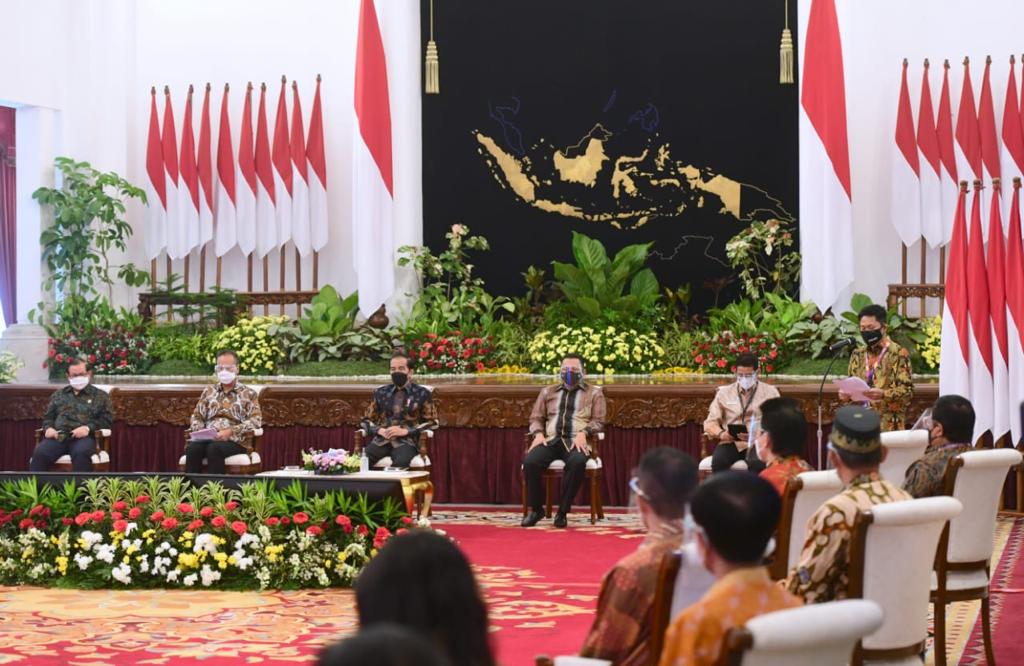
x,y
536,463
726,454
401,456
48,450
215,453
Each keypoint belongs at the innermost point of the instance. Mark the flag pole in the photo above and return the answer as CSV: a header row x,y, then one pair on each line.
x,y
298,270
202,269
218,272
280,281
168,284
249,273
316,270
266,281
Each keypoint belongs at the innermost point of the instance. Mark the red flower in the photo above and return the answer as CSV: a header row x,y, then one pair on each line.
x,y
231,506
239,527
219,521
196,524
66,521
169,523
36,510
362,530
699,358
98,515
721,363
116,515
285,520
26,523
401,530
479,366
345,523
300,518
314,530
407,520
184,507
432,336
134,512
381,537
142,499
773,354
423,353
80,519
120,506
120,525
158,516
273,521
769,368
206,511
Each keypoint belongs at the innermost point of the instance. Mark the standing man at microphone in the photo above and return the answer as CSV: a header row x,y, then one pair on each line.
x,y
885,368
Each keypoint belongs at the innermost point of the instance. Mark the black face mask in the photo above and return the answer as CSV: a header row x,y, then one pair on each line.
x,y
399,378
871,338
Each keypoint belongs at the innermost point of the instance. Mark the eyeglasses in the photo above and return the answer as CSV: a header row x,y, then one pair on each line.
x,y
634,485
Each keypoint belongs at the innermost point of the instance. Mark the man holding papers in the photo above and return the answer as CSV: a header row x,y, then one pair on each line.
x,y
884,367
224,415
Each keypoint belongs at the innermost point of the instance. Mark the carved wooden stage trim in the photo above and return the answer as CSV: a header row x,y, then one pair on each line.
x,y
476,454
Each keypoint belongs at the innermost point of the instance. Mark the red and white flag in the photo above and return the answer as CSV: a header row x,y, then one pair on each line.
x,y
968,136
266,223
996,272
931,166
1015,314
247,185
373,185
186,235
300,179
1012,162
204,164
225,209
826,228
947,154
282,158
990,151
955,355
169,142
156,186
317,175
981,325
905,211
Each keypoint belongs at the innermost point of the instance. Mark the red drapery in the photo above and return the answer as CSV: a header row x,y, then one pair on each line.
x,y
8,219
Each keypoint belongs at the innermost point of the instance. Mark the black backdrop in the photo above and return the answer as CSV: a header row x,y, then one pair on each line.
x,y
537,76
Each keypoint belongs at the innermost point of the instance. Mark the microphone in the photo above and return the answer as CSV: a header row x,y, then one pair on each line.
x,y
842,344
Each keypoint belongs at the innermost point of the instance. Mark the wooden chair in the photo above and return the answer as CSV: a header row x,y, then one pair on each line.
x,y
555,471
802,497
891,549
707,447
904,447
243,464
100,459
975,478
817,635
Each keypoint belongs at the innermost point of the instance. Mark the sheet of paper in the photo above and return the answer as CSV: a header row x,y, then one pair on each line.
x,y
853,387
203,435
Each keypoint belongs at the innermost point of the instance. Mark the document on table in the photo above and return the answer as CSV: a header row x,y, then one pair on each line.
x,y
204,435
853,387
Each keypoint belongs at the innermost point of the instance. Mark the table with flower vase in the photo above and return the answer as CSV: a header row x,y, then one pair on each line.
x,y
416,489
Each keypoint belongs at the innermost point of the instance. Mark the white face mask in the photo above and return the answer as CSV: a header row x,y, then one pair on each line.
x,y
79,383
747,382
762,454
226,376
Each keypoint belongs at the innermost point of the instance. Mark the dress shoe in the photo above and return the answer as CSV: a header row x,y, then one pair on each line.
x,y
561,520
532,518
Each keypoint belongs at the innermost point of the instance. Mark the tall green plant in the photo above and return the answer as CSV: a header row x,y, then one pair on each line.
x,y
765,256
329,314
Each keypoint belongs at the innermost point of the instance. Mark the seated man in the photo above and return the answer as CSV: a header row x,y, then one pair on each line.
x,y
734,404
779,441
397,414
885,367
562,417
72,418
736,514
951,432
622,628
230,408
855,450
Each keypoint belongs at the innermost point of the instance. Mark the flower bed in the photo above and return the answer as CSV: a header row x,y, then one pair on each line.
x,y
167,533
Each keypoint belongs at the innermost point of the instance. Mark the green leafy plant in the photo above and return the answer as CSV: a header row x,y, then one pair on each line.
x,y
813,338
329,315
764,255
599,290
201,310
9,365
175,342
908,333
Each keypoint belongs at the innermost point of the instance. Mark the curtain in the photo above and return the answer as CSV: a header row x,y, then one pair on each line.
x,y
8,221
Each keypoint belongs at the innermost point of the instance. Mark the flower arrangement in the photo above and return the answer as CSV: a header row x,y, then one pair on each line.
x,y
456,352
9,364
606,350
716,352
255,537
931,348
258,351
677,370
512,369
331,461
117,350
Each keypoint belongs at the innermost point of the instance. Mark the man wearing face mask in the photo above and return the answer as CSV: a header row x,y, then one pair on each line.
x,y
950,433
734,404
562,418
398,413
230,408
72,418
885,367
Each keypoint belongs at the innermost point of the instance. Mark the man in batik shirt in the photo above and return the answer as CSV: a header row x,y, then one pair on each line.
x,y
621,632
855,450
950,434
885,367
230,408
397,415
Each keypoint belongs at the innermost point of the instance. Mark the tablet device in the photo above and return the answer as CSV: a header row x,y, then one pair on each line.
x,y
738,430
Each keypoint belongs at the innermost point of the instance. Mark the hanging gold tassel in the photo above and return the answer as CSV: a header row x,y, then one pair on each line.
x,y
432,75
786,52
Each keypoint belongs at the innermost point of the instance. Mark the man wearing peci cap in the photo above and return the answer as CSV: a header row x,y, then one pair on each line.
x,y
855,450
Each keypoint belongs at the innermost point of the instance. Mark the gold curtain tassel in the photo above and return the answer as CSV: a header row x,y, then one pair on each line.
x,y
432,67
786,51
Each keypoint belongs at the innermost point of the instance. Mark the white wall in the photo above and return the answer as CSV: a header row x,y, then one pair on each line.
x,y
876,36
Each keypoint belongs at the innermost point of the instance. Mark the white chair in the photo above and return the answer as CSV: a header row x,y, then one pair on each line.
x,y
543,660
682,580
962,563
802,497
420,463
704,468
241,463
892,549
100,458
818,635
904,447
557,468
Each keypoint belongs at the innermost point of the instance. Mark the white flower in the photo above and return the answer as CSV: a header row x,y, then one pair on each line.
x,y
207,542
131,527
105,553
209,576
172,575
190,580
122,573
83,561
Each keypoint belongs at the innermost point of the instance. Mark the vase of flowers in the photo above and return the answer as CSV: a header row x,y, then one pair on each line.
x,y
331,461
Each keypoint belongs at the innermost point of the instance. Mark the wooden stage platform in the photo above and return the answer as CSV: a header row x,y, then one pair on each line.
x,y
476,454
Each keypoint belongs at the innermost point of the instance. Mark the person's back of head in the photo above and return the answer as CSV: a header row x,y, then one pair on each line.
x,y
785,424
956,416
383,645
666,478
737,513
421,580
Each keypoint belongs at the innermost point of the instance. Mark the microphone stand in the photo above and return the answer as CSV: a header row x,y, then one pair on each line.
x,y
821,389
